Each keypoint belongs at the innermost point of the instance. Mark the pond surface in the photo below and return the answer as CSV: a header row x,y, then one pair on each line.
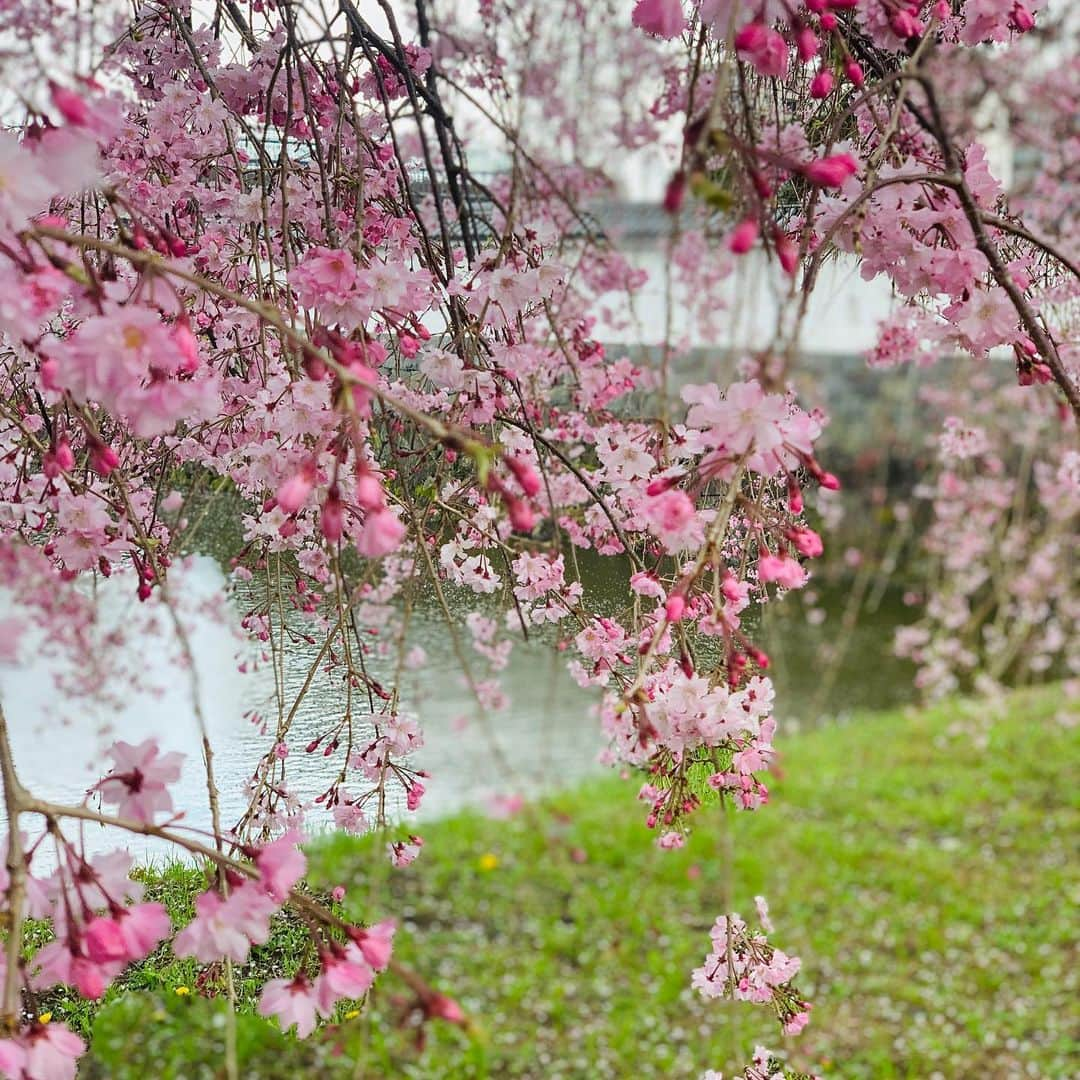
x,y
546,737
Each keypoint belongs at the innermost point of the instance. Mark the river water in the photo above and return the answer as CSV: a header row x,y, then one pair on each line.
x,y
546,737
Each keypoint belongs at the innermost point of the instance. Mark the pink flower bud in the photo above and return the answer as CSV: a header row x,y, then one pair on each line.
x,y
821,84
752,37
806,541
828,22
730,588
1022,19
660,485
315,368
64,456
675,193
854,74
742,239
188,345
369,492
760,658
786,252
942,10
520,513
831,172
50,377
525,475
332,517
905,25
675,607
71,105
446,1008
103,459
807,43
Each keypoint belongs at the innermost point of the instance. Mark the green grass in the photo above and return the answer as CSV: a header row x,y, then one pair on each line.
x,y
919,864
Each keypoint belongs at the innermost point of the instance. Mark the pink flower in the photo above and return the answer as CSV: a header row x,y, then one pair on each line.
x,y
345,974
143,926
670,841
806,541
137,784
762,906
403,852
796,1023
671,517
382,533
24,189
664,18
376,943
52,1051
65,962
783,569
12,1059
227,927
292,494
281,865
765,48
369,492
831,172
293,1002
104,942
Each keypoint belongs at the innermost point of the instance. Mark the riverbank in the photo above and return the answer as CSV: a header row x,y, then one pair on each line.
x,y
917,862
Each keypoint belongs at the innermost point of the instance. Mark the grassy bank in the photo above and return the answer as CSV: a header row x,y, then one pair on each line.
x,y
918,864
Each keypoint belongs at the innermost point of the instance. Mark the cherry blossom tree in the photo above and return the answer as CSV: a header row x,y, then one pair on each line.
x,y
245,254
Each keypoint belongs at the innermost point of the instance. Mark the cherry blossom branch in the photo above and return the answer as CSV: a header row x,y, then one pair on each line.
x,y
973,212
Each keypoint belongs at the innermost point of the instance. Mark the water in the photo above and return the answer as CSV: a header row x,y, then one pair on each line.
x,y
544,738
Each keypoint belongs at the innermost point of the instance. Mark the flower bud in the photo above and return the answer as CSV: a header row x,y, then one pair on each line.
x,y
743,236
332,517
821,84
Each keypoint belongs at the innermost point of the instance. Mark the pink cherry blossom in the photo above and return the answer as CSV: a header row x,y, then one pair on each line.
x,y
293,1002
138,782
664,18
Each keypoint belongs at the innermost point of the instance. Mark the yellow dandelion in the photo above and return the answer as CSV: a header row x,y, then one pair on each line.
x,y
489,860
182,991
45,1017
352,1014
